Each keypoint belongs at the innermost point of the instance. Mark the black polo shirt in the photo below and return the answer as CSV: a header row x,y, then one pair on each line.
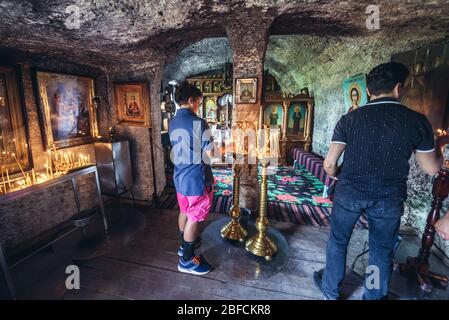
x,y
380,138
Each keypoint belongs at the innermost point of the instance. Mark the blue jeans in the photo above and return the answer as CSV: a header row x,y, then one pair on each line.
x,y
384,218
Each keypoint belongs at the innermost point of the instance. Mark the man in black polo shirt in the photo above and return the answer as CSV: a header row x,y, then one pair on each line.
x,y
378,140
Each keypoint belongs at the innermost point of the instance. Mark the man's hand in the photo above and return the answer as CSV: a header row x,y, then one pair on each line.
x,y
442,227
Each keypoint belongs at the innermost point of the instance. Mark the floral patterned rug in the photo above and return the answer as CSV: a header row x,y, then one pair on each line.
x,y
288,185
292,195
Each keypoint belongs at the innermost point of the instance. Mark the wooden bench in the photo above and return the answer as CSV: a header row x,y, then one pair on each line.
x,y
312,163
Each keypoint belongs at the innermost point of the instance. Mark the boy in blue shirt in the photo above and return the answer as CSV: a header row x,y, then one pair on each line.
x,y
192,145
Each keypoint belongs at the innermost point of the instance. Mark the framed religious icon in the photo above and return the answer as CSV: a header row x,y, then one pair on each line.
x,y
273,115
207,87
198,85
216,87
296,118
246,90
68,113
132,103
14,146
354,90
210,109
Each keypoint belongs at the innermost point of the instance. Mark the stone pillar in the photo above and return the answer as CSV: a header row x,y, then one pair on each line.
x,y
248,37
149,71
156,124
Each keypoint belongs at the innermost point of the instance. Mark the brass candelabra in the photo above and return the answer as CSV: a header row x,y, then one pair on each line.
x,y
234,230
261,245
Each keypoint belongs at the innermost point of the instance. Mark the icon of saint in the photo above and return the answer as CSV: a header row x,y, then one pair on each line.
x,y
274,117
246,94
296,120
133,108
355,98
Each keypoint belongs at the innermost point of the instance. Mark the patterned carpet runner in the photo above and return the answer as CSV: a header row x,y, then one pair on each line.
x,y
291,197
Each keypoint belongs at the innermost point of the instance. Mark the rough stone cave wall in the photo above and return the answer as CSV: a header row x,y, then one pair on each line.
x,y
322,66
26,219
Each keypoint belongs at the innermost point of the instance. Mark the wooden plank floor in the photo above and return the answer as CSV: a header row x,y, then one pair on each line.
x,y
146,268
139,261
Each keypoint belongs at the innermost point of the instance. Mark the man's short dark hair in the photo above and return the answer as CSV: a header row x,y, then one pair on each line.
x,y
384,77
186,91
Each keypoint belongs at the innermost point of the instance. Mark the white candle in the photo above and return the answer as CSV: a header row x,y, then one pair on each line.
x,y
3,180
7,177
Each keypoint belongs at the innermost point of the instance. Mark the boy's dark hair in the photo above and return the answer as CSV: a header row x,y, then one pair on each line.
x,y
384,77
186,91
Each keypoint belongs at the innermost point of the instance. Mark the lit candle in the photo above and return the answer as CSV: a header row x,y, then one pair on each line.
x,y
7,177
2,186
88,159
3,180
34,175
18,162
267,142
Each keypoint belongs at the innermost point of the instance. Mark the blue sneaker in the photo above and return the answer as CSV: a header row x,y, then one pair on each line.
x,y
197,265
196,245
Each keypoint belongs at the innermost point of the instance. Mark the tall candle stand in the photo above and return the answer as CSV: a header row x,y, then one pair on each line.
x,y
418,267
261,245
234,230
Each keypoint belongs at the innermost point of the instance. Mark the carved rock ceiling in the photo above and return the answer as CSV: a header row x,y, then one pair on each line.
x,y
106,32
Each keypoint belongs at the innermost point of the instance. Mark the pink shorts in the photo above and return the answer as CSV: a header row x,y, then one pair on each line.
x,y
196,208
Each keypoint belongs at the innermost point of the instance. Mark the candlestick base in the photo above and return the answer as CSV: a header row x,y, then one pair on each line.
x,y
234,230
261,245
415,267
418,267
